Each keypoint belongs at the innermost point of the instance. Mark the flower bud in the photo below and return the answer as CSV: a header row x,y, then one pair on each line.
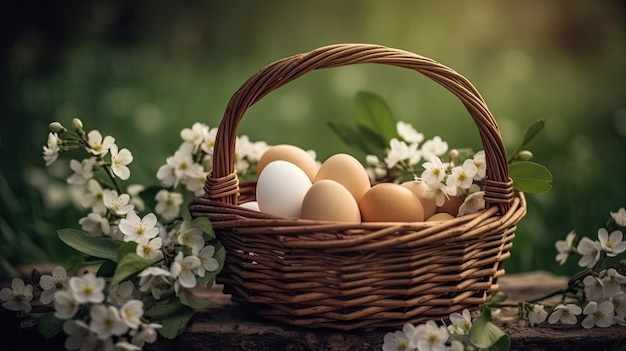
x,y
56,127
524,155
454,153
78,124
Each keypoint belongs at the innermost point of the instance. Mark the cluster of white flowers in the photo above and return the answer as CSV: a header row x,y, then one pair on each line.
x,y
603,288
455,177
99,313
193,160
431,336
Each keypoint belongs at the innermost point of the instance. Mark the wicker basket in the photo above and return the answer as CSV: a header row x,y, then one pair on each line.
x,y
358,276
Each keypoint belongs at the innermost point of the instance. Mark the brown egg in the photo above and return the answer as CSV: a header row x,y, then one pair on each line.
x,y
327,200
451,205
347,171
390,202
440,217
289,153
427,199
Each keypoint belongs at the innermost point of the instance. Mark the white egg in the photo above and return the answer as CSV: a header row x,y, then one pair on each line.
x,y
251,205
280,189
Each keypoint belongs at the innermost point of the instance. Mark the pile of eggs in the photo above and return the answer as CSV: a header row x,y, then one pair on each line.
x,y
291,184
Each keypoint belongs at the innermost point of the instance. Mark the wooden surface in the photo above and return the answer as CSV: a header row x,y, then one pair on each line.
x,y
228,326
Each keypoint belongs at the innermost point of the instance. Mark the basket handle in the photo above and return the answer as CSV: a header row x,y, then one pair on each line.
x,y
222,183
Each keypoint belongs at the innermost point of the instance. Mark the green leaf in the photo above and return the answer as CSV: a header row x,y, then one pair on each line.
x,y
173,316
373,113
107,269
48,325
193,301
530,177
205,225
350,136
532,132
125,249
102,247
128,266
485,335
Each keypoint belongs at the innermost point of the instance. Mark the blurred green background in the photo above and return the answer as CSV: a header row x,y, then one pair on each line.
x,y
143,70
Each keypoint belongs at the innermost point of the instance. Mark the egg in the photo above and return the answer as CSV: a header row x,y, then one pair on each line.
x,y
440,217
347,171
327,200
250,205
280,189
390,202
451,205
419,188
289,153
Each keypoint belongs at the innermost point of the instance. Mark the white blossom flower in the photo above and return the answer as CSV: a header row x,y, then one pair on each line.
x,y
619,217
253,154
51,150
473,203
94,224
440,192
18,297
150,250
565,314
195,178
135,227
121,293
590,252
167,175
52,283
462,176
87,288
183,270
207,261
611,244
594,289
124,345
120,161
146,333
376,169
65,305
611,283
434,172
83,171
119,205
168,204
565,247
209,141
396,341
399,151
131,313
480,161
434,147
431,337
106,321
619,304
97,145
195,135
407,132
460,323
191,237
155,279
94,197
79,336
537,315
598,315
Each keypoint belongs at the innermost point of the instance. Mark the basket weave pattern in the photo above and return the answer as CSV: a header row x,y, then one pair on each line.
x,y
358,275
